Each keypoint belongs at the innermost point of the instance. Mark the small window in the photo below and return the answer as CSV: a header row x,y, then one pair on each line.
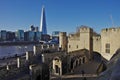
x,y
77,46
69,46
107,46
107,50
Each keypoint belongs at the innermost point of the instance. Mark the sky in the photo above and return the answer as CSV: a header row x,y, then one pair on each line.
x,y
61,15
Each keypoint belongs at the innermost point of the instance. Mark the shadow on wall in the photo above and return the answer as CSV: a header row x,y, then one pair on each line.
x,y
102,62
97,56
113,68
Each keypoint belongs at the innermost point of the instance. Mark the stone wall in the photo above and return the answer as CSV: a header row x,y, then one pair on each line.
x,y
82,41
63,41
97,44
110,36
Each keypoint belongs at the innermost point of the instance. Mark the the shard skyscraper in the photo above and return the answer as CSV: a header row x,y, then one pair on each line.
x,y
43,28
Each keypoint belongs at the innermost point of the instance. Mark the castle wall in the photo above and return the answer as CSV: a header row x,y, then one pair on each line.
x,y
110,36
106,44
63,41
73,45
97,44
83,41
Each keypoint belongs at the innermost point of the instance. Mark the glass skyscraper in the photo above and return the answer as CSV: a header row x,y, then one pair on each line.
x,y
19,35
43,28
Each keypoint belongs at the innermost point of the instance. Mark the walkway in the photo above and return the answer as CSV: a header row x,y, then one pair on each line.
x,y
76,76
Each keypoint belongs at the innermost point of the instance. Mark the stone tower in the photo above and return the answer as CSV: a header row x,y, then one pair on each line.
x,y
82,39
86,40
63,41
43,28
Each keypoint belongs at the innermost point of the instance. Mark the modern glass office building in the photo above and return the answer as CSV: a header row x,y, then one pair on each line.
x,y
37,36
3,35
29,35
55,33
43,28
19,35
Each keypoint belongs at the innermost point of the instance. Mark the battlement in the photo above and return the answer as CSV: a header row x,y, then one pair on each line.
x,y
74,35
96,38
85,29
62,33
111,30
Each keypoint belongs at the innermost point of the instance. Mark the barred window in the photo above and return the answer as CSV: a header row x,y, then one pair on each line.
x,y
107,46
77,46
69,46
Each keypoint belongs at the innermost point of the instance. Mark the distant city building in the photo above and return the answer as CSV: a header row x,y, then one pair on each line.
x,y
32,28
43,28
37,36
0,37
10,36
29,36
19,34
36,29
3,35
55,37
45,37
55,33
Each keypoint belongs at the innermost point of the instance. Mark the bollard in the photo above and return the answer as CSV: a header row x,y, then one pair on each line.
x,y
18,62
27,56
48,46
34,49
42,47
7,67
53,45
43,58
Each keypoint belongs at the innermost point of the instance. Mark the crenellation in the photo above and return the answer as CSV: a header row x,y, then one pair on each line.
x,y
96,38
109,30
97,42
85,29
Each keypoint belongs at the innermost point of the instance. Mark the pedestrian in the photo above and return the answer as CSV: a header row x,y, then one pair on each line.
x,y
82,72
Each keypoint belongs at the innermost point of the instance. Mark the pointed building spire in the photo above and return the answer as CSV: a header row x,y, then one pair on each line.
x,y
43,27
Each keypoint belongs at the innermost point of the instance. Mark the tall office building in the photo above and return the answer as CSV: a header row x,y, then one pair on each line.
x,y
43,28
19,34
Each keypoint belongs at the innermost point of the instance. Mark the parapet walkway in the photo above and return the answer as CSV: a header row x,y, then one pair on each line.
x,y
79,75
76,76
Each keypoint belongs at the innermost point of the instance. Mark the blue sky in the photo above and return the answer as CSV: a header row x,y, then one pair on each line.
x,y
61,15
